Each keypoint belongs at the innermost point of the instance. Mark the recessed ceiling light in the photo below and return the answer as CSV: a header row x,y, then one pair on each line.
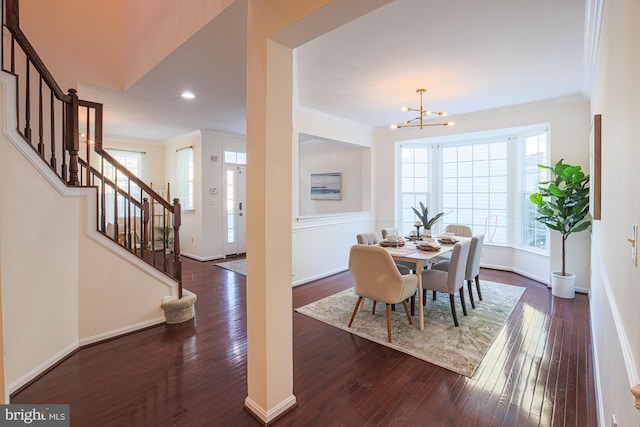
x,y
188,95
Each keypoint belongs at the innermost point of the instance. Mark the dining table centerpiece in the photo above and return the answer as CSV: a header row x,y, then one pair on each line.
x,y
423,216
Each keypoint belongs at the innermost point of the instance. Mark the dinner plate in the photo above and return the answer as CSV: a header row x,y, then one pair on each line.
x,y
388,243
448,241
428,248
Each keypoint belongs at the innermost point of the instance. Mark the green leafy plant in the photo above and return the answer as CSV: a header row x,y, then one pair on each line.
x,y
563,202
423,215
165,236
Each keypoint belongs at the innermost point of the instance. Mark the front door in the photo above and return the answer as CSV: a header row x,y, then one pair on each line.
x,y
235,210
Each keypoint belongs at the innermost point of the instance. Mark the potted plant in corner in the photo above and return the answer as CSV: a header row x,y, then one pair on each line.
x,y
426,222
165,238
563,206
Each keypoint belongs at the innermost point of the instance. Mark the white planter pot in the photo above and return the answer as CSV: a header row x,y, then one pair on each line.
x,y
563,286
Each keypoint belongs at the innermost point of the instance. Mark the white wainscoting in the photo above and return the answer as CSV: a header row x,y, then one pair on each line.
x,y
321,244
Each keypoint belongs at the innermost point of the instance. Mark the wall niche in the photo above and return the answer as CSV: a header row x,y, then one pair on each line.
x,y
317,155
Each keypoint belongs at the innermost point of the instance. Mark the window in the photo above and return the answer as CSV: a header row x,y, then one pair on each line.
x,y
132,160
474,188
184,178
478,181
535,152
414,183
235,158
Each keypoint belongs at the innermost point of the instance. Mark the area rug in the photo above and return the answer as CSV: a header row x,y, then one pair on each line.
x,y
239,266
459,349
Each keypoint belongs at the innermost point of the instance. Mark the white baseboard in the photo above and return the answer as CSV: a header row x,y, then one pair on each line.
x,y
120,331
272,414
318,276
200,258
42,367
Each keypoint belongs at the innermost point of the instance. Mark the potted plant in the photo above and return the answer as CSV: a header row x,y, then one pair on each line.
x,y
165,237
424,220
563,205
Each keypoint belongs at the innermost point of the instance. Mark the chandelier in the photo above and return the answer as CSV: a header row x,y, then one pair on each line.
x,y
419,120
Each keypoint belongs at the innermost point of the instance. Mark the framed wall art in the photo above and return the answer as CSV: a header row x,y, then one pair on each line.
x,y
326,186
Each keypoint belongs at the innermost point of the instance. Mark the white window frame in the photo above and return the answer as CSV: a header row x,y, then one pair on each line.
x,y
515,138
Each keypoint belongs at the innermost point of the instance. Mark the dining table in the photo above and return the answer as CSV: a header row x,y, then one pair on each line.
x,y
409,252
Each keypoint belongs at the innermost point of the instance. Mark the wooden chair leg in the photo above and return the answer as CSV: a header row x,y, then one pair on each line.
x,y
478,287
473,304
434,295
452,301
406,310
389,322
464,305
373,311
355,310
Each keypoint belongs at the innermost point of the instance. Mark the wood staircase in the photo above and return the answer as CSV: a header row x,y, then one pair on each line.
x,y
66,132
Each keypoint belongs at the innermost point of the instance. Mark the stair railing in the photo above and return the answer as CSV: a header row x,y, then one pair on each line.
x,y
67,134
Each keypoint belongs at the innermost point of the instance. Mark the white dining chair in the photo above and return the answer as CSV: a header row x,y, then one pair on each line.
x,y
472,270
451,280
376,276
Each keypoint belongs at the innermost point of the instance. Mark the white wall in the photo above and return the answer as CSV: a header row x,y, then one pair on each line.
x,y
323,156
321,242
213,225
202,230
569,118
152,171
615,280
59,285
191,220
39,250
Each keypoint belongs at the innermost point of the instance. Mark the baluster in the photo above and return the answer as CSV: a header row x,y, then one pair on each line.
x,y
53,161
13,56
63,172
40,121
177,262
103,197
88,148
27,109
72,137
116,226
127,201
145,225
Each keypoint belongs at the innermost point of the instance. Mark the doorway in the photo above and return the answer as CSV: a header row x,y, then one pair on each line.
x,y
235,209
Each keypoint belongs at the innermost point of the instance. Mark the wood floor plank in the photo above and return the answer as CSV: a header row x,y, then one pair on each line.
x,y
538,373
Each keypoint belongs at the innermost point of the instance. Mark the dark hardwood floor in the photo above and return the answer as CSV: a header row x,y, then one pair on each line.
x,y
194,374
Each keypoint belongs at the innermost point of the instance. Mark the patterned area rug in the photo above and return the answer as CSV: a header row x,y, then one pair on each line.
x,y
459,349
239,266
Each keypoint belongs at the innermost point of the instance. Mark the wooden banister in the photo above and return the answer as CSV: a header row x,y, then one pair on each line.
x,y
64,109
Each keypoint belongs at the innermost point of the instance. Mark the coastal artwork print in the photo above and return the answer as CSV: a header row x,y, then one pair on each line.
x,y
326,186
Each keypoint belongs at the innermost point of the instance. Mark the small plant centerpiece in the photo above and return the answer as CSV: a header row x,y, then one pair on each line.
x,y
563,205
424,220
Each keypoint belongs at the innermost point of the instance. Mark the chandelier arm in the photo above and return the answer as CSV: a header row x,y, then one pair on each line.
x,y
422,113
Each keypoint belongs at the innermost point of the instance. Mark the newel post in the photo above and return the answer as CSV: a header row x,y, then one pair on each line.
x,y
12,15
177,262
72,143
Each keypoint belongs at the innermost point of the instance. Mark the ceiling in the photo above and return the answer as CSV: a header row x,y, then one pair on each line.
x,y
470,56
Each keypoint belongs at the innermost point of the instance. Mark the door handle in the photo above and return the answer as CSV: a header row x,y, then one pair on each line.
x,y
240,205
